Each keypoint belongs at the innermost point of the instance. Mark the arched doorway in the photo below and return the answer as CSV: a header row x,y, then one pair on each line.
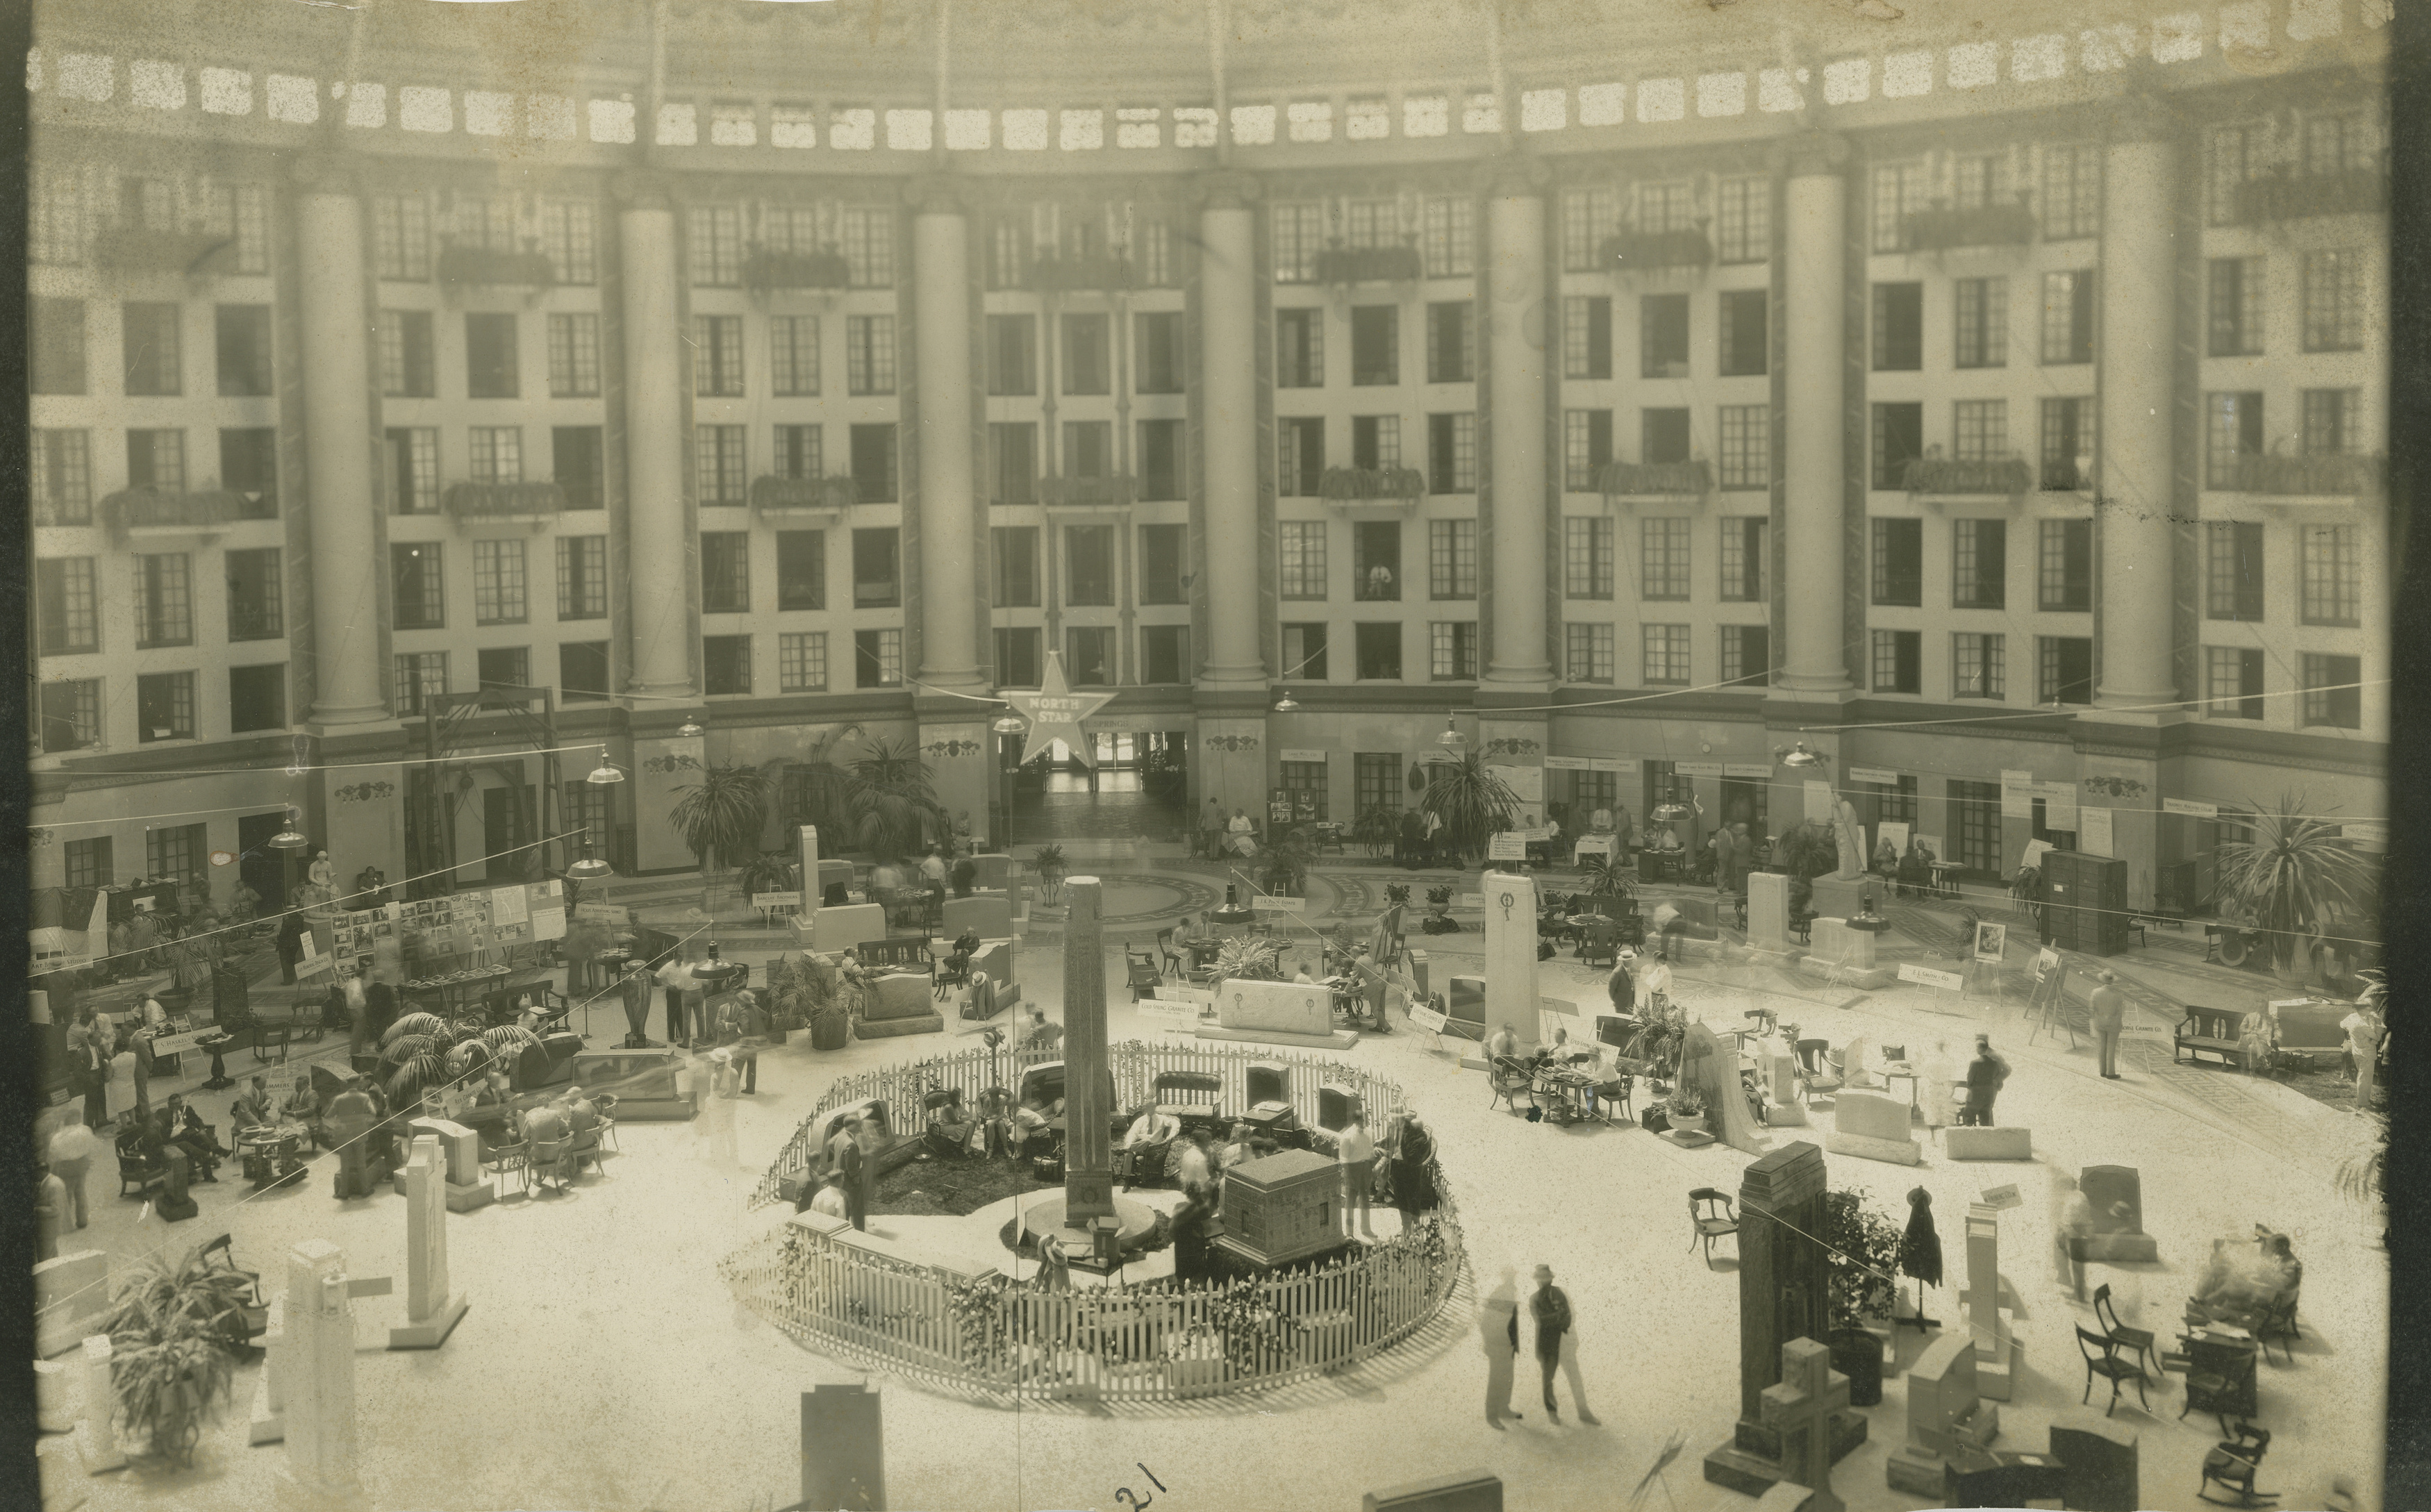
x,y
1137,790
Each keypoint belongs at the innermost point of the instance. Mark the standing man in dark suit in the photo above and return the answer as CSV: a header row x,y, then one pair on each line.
x,y
1984,1074
2110,1007
1550,1307
857,1171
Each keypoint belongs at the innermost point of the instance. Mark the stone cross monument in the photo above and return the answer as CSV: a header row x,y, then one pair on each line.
x,y
1511,953
1783,1297
1798,1407
1088,1154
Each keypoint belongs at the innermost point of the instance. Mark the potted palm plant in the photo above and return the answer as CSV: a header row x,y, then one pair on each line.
x,y
422,1054
890,800
1439,920
1685,1108
1470,799
1376,828
718,816
1862,1265
171,1362
1047,860
1251,958
2293,879
814,991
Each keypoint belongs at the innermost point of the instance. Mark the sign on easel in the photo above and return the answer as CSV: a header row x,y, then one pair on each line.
x,y
1928,977
1991,943
2048,1007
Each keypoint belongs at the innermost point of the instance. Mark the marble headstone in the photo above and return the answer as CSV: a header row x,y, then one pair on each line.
x,y
1779,1067
318,1371
2101,1456
1944,1416
1511,995
1837,943
2116,1194
1715,1067
1872,1127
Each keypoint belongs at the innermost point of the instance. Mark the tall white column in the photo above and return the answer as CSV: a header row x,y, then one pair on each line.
x,y
1813,264
340,466
2133,463
656,369
1228,381
1518,320
949,611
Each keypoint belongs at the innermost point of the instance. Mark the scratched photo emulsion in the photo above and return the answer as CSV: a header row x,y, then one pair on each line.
x,y
961,756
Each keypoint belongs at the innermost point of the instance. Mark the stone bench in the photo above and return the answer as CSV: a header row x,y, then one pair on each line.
x,y
1969,1142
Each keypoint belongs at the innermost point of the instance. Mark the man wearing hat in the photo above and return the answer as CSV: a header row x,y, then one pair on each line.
x,y
1622,984
2109,1007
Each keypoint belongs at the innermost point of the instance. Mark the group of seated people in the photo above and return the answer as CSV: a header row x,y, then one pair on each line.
x,y
2241,1285
1601,1070
176,1136
1907,871
255,1108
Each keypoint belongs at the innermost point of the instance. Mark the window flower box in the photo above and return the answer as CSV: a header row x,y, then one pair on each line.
x,y
791,499
1637,251
773,270
481,267
139,249
530,506
1368,264
1103,273
1372,492
2285,197
1622,483
1112,490
1942,228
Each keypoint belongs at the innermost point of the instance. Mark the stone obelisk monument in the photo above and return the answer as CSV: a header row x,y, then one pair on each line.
x,y
1088,1154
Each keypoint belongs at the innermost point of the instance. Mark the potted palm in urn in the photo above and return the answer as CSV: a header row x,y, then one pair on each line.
x,y
1047,860
170,1330
1685,1108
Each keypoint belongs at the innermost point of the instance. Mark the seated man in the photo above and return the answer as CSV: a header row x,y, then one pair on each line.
x,y
187,1127
303,1105
995,1121
1027,1134
547,1124
151,1137
949,1132
1148,1136
353,1117
966,945
1040,1034
1502,1045
252,1109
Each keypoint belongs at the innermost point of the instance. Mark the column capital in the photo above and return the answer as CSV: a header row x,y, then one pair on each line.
x,y
1513,176
640,189
1227,190
2141,116
938,195
328,173
1810,154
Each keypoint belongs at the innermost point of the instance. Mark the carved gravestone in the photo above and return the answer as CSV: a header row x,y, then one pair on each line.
x,y
432,1311
1837,943
1988,1322
1784,1284
1783,1108
2116,1194
1713,1069
1799,1408
1872,1127
1511,996
1944,1417
2099,1455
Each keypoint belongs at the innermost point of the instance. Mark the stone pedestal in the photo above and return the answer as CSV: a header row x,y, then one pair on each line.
x,y
1836,942
1769,910
98,1434
1777,1065
1840,894
459,1152
317,1376
1987,1322
432,1311
1088,1156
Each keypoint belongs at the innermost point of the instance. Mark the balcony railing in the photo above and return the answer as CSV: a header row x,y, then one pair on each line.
x,y
1114,491
489,267
149,509
770,269
136,249
1347,485
1620,480
1940,228
1370,589
503,503
1636,251
2337,476
1101,273
778,495
2064,477
1368,264
2003,476
2291,197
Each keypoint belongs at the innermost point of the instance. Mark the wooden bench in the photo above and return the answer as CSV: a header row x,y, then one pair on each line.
x,y
2216,1030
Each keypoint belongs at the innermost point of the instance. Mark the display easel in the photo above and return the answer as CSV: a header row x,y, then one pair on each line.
x,y
2048,1006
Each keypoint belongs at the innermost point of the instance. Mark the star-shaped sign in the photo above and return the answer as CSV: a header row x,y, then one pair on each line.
x,y
1055,713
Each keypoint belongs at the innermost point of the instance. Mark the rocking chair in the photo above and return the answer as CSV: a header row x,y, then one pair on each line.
x,y
2232,1464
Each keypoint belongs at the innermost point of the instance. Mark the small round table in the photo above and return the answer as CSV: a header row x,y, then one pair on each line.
x,y
256,1147
216,1045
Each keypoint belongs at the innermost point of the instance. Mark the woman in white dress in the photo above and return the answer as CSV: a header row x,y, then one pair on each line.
x,y
1939,1076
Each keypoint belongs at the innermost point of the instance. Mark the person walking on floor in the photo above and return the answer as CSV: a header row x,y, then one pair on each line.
x,y
71,1156
1556,1345
1356,1154
1211,831
2110,1007
1984,1074
89,1068
1498,1330
2364,1033
674,977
